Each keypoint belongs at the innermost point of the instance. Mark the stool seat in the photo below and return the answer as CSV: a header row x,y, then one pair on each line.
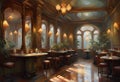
x,y
116,72
8,64
102,64
117,68
46,61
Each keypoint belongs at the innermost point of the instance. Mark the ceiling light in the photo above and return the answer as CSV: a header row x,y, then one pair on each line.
x,y
63,7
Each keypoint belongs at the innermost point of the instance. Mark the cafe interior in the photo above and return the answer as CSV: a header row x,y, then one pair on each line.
x,y
59,41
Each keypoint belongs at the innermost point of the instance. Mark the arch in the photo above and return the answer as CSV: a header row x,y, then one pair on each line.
x,y
86,33
13,17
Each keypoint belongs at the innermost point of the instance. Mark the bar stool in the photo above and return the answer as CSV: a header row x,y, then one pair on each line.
x,y
116,73
5,67
47,67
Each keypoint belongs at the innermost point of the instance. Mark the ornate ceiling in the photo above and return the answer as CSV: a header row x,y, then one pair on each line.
x,y
82,10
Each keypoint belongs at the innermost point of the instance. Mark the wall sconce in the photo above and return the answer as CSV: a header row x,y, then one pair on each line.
x,y
5,24
15,32
108,31
57,34
49,33
10,17
34,30
27,28
40,30
70,37
64,35
10,33
116,25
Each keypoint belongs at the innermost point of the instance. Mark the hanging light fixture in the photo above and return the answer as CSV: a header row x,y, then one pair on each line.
x,y
40,30
5,24
63,7
27,28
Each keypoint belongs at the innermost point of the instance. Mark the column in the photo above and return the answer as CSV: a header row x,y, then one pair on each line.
x,y
23,47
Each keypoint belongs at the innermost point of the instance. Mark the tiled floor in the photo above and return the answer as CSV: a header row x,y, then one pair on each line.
x,y
81,71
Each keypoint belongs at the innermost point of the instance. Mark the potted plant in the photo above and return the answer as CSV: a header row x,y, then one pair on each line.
x,y
3,49
102,43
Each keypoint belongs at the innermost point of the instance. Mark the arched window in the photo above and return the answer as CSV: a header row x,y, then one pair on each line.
x,y
43,35
51,35
87,37
13,34
58,36
28,32
85,34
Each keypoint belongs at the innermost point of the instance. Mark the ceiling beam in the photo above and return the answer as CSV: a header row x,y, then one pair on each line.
x,y
74,10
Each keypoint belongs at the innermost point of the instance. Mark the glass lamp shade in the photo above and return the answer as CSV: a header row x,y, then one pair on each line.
x,y
10,17
40,30
63,10
108,31
57,34
49,33
68,7
64,35
5,24
116,25
15,32
11,33
27,28
58,7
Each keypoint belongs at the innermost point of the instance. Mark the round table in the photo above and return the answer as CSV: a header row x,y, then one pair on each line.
x,y
110,60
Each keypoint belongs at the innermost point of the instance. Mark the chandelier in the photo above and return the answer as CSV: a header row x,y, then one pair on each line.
x,y
63,7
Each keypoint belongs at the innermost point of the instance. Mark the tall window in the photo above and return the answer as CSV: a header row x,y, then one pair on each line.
x,y
51,35
43,35
58,35
79,39
28,32
85,34
13,34
87,37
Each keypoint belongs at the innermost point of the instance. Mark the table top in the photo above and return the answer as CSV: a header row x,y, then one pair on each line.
x,y
110,57
29,54
57,51
102,52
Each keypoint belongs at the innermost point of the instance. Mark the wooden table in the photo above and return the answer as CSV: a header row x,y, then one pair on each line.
x,y
24,57
110,60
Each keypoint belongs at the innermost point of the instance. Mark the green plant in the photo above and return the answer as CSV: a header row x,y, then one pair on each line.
x,y
102,43
3,50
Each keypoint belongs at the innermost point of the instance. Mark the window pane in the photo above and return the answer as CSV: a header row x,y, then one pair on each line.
x,y
87,37
43,36
52,36
13,34
95,37
87,27
28,32
79,42
58,37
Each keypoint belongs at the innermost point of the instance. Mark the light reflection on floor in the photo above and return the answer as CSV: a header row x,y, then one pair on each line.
x,y
78,72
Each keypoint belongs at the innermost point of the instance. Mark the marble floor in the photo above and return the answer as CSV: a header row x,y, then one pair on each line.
x,y
81,71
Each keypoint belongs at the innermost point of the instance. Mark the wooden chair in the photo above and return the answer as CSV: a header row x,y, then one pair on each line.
x,y
116,73
102,67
